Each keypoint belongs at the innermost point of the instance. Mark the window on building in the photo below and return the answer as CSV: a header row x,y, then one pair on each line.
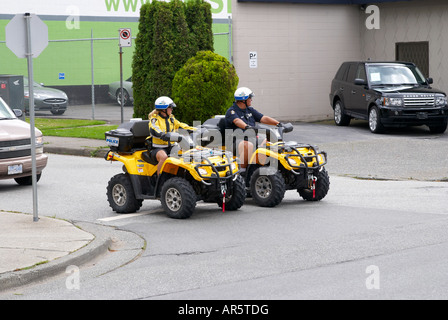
x,y
416,52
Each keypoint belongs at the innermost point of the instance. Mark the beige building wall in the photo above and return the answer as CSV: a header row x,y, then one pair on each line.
x,y
418,20
299,48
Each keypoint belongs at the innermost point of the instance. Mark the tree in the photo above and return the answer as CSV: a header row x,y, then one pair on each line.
x,y
199,20
204,87
164,43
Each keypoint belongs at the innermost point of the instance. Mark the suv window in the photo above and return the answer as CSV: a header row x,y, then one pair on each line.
x,y
352,72
342,72
361,72
395,75
6,113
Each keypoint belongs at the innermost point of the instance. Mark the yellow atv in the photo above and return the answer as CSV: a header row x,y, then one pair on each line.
x,y
277,165
194,173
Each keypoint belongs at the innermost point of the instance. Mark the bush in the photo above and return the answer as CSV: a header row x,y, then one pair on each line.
x,y
204,87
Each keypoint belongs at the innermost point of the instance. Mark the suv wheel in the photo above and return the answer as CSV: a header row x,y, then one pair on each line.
x,y
375,124
340,118
438,128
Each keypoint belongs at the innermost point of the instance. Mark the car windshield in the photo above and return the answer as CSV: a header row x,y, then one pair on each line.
x,y
5,112
395,75
25,83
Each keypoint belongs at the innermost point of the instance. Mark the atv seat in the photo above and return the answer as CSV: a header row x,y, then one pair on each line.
x,y
218,124
140,131
147,158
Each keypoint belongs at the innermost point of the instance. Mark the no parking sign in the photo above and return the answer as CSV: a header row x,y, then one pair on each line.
x,y
125,37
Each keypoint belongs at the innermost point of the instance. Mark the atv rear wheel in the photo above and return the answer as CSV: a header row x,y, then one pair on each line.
x,y
322,187
178,198
121,196
235,200
267,188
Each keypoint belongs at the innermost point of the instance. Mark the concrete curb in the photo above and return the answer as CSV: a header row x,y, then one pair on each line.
x,y
97,247
84,152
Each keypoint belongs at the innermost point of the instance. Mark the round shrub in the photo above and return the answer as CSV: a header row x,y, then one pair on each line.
x,y
204,87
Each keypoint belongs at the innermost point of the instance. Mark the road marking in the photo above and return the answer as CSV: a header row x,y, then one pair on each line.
x,y
125,216
132,215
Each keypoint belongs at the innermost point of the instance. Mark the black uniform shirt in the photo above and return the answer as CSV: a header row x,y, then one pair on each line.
x,y
249,115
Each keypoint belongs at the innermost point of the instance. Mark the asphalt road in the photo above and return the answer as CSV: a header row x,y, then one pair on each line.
x,y
369,238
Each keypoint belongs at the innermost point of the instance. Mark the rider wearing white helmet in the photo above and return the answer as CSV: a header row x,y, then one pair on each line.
x,y
162,121
242,115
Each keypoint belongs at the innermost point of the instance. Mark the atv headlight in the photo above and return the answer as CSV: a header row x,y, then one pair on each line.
x,y
292,162
202,172
233,166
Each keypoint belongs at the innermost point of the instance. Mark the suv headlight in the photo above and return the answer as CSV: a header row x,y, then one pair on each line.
x,y
39,145
39,141
392,102
441,101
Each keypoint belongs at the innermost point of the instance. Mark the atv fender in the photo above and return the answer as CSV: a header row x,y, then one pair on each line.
x,y
261,153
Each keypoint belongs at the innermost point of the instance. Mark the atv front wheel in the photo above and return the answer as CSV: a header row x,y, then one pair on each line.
x,y
178,198
121,196
235,200
321,188
267,188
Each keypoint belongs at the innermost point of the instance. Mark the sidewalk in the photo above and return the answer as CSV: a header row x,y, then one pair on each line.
x,y
33,251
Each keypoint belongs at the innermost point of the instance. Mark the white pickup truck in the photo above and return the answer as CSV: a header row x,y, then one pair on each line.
x,y
15,147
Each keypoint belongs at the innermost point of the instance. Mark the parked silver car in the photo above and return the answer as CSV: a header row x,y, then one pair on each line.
x,y
45,98
15,147
115,92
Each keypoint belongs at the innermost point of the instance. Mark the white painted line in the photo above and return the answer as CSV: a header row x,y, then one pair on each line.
x,y
125,216
132,215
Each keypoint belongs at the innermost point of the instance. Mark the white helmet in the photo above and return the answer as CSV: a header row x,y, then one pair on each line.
x,y
162,103
243,93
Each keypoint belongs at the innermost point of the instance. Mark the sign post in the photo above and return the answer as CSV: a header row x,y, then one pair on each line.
x,y
124,41
27,36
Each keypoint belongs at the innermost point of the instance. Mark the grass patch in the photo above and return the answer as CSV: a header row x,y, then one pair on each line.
x,y
73,128
43,123
96,132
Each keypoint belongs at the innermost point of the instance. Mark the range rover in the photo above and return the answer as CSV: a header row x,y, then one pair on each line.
x,y
387,94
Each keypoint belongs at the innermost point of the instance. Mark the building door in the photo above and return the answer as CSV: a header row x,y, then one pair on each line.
x,y
416,52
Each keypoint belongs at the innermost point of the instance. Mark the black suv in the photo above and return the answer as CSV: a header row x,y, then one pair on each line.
x,y
387,94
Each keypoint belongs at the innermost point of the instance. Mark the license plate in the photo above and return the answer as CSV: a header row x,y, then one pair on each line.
x,y
15,169
422,115
112,142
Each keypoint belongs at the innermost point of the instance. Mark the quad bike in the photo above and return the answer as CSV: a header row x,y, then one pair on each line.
x,y
196,173
278,165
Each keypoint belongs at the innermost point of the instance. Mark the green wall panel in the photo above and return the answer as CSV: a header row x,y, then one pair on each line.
x,y
73,58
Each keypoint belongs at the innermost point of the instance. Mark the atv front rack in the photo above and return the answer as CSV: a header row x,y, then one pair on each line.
x,y
305,159
215,169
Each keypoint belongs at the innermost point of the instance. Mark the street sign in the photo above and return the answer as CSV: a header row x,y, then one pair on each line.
x,y
16,35
125,37
27,36
253,59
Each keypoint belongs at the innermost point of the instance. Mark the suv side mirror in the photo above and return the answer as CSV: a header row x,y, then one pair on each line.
x,y
429,80
360,82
